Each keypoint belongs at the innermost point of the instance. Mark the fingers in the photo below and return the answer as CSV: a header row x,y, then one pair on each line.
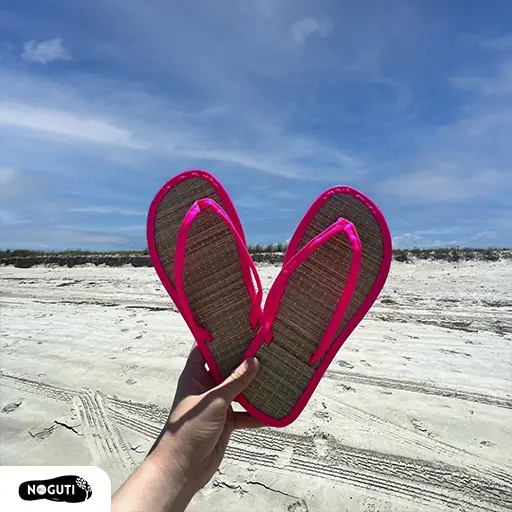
x,y
195,357
245,420
238,380
195,365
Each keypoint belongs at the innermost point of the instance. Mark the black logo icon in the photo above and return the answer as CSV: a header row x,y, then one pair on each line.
x,y
69,488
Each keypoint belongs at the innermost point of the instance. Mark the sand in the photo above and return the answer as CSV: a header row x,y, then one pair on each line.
x,y
414,413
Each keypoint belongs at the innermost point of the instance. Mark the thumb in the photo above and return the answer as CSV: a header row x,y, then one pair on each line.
x,y
238,380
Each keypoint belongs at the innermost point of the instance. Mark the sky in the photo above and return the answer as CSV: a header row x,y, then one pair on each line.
x,y
103,101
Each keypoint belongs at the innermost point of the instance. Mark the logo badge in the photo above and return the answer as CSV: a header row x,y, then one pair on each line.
x,y
68,488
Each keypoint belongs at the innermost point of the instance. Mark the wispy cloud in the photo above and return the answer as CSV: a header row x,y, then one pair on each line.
x,y
307,27
467,158
454,236
11,183
132,228
108,210
8,218
159,127
67,125
499,83
251,202
497,43
7,176
440,185
284,194
45,51
51,237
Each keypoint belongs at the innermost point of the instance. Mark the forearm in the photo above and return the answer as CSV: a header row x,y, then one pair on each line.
x,y
191,446
157,485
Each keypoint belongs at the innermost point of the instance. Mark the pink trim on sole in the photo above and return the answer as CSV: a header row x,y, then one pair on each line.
x,y
315,208
153,209
352,324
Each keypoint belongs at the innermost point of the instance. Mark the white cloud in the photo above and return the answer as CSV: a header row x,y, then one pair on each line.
x,y
500,84
7,175
469,158
120,115
498,43
443,184
250,202
66,124
130,228
11,183
8,218
305,28
459,237
45,51
107,210
283,156
283,194
62,237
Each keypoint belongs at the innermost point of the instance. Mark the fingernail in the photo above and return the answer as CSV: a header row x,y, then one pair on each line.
x,y
251,365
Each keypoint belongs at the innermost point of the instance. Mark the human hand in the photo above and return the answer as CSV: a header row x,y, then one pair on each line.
x,y
193,441
201,421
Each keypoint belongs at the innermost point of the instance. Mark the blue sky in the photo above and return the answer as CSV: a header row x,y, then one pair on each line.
x,y
102,101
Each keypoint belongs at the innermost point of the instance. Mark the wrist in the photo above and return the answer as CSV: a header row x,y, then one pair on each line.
x,y
171,464
158,484
174,490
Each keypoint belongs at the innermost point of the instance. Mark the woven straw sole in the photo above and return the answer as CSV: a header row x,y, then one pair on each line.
x,y
355,211
286,377
216,292
311,295
170,214
212,275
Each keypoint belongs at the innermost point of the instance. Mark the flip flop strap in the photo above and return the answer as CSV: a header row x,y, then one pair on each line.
x,y
274,298
246,263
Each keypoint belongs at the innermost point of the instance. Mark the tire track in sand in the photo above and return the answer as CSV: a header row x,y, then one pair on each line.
x,y
37,388
419,387
106,443
400,434
156,416
422,481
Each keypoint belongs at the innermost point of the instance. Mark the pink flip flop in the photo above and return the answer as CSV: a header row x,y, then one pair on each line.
x,y
217,285
335,267
167,211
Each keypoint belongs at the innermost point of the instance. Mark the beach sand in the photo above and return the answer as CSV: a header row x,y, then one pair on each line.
x,y
415,412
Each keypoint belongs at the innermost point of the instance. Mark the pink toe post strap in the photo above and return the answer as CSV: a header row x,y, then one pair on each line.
x,y
279,287
248,268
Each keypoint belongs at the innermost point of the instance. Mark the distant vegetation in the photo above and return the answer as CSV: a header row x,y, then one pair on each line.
x,y
452,254
265,249
260,253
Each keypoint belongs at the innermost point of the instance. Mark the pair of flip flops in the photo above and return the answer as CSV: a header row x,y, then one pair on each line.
x,y
334,268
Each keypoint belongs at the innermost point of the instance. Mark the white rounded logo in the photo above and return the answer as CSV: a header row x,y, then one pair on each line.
x,y
41,489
